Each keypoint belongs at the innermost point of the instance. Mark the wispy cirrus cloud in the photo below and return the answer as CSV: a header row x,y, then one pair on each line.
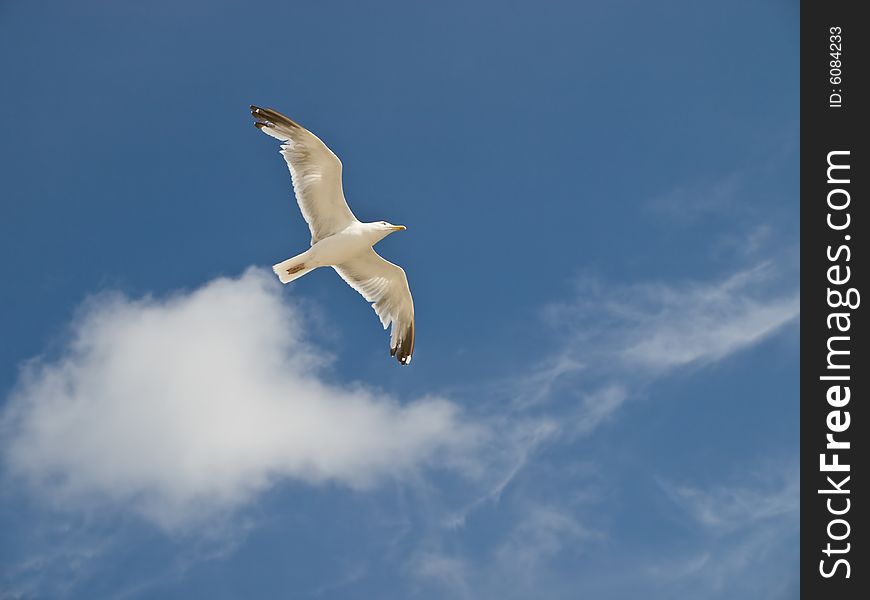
x,y
725,508
539,536
617,341
448,572
744,524
703,198
653,328
518,564
188,407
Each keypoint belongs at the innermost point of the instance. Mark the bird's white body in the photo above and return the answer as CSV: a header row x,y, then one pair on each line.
x,y
337,248
334,250
338,239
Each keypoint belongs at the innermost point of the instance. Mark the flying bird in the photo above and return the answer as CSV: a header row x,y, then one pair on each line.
x,y
338,239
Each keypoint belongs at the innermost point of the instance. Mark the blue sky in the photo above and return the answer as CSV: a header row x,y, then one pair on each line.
x,y
602,243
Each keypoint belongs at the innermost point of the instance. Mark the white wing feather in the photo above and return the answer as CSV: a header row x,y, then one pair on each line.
x,y
315,171
384,285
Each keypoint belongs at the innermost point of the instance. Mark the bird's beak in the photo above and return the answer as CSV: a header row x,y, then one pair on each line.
x,y
398,228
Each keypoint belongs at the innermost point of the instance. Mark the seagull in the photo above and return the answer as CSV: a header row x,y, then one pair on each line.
x,y
338,239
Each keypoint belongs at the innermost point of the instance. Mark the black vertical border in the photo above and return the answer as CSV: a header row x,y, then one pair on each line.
x,y
825,129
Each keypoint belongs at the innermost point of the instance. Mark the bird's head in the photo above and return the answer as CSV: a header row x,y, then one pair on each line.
x,y
383,228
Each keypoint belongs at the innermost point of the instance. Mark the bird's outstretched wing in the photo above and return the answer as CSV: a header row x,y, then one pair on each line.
x,y
316,173
384,285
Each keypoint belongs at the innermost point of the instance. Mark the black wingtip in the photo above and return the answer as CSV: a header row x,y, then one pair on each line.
x,y
273,117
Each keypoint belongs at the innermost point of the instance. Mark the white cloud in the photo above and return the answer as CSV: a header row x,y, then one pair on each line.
x,y
187,407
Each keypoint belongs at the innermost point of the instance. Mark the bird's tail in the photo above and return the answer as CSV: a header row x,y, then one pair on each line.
x,y
292,268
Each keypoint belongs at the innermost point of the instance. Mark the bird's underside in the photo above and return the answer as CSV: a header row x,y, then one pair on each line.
x,y
338,239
